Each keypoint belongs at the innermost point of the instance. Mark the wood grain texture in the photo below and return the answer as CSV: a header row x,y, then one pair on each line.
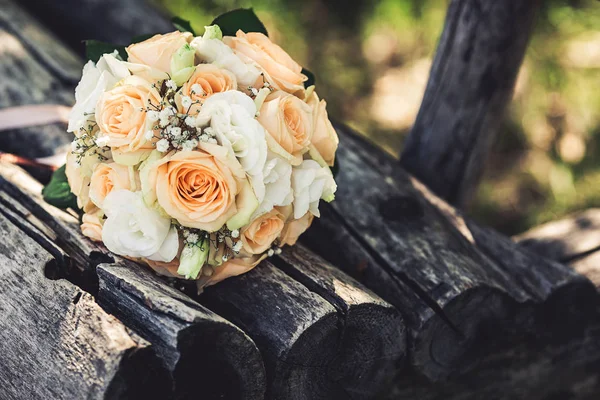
x,y
482,291
470,83
55,341
373,338
566,238
574,240
205,354
315,345
35,69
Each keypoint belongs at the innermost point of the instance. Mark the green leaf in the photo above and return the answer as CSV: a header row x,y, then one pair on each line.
x,y
311,78
94,49
242,18
183,25
58,192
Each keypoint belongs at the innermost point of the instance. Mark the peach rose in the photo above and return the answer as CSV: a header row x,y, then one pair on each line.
x,y
201,189
211,80
324,138
105,178
233,267
294,228
92,225
157,51
289,125
121,115
260,234
279,68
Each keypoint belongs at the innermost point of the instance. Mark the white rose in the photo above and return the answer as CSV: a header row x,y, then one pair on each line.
x,y
96,79
216,52
231,116
310,183
278,184
133,229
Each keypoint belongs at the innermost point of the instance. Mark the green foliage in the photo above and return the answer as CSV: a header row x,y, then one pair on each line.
x,y
58,192
94,49
311,78
242,18
183,25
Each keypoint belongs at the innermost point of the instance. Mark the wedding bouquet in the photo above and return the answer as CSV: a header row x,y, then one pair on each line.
x,y
197,155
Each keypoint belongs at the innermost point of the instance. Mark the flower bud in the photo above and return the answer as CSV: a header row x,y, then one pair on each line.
x,y
192,260
182,64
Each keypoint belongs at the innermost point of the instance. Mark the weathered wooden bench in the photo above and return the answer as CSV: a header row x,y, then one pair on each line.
x,y
422,303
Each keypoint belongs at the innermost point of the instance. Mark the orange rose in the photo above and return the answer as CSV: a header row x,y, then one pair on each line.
x,y
324,138
121,115
294,227
92,225
201,189
105,178
211,79
260,234
279,68
157,51
289,125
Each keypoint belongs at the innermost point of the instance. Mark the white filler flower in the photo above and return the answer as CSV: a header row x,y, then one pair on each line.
x,y
310,183
135,230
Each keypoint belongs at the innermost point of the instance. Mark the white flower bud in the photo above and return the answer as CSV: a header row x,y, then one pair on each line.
x,y
186,101
162,145
152,116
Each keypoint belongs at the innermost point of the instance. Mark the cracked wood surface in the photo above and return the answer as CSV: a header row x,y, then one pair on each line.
x,y
55,341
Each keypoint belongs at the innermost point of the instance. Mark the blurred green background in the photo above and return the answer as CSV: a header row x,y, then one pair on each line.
x,y
372,59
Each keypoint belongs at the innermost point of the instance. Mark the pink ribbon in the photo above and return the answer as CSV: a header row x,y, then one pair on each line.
x,y
33,115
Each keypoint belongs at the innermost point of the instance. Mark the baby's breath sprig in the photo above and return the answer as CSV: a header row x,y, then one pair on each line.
x,y
88,143
173,130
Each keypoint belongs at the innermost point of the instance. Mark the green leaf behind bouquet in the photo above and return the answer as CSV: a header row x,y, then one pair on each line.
x,y
183,25
58,192
311,78
242,18
94,49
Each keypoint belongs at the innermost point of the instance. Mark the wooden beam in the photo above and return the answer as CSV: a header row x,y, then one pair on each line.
x,y
205,354
470,83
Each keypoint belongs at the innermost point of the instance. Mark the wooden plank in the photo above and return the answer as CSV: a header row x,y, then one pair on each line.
x,y
55,341
470,84
373,338
206,355
565,239
77,20
300,334
574,240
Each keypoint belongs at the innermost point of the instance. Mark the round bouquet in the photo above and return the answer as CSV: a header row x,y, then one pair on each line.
x,y
199,155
